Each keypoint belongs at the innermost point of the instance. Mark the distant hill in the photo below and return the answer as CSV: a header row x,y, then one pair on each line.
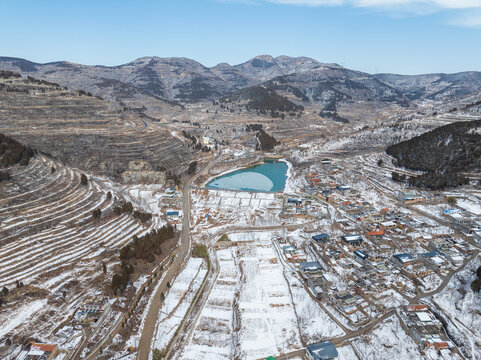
x,y
434,86
443,153
258,98
152,83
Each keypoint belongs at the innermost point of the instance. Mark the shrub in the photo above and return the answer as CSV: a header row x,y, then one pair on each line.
x,y
83,179
12,152
452,200
200,251
4,176
192,168
224,237
96,213
156,355
476,285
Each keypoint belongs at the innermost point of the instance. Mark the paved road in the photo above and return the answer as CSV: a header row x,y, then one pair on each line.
x,y
176,267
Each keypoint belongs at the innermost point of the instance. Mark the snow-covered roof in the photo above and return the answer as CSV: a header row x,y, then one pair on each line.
x,y
423,316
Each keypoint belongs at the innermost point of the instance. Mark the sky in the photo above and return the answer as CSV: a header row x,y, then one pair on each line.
x,y
397,36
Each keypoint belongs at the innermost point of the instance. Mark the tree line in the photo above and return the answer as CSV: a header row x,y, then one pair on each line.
x,y
12,152
141,248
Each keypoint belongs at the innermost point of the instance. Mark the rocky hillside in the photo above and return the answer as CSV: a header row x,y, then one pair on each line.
x,y
85,131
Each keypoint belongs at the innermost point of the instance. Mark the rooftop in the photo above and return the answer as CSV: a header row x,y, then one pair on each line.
x,y
322,351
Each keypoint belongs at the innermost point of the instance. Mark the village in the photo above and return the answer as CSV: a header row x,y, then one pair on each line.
x,y
364,250
340,261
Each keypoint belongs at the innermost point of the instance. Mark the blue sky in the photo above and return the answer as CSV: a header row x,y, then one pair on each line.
x,y
400,36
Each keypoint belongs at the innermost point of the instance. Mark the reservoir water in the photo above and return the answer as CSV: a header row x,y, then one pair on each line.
x,y
270,176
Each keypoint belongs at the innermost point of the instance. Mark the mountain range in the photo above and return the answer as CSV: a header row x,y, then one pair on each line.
x,y
155,83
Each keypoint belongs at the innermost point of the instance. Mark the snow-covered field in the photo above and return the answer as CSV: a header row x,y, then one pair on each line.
x,y
463,308
177,301
387,341
215,208
256,308
469,205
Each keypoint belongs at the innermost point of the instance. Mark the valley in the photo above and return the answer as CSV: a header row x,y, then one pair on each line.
x,y
165,209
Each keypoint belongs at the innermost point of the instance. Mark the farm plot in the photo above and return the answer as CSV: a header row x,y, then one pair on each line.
x,y
51,247
214,208
52,227
178,301
253,311
387,341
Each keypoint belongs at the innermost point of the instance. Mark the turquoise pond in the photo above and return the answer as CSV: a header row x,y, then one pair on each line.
x,y
270,176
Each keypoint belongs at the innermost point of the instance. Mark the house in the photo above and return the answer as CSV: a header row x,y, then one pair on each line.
x,y
416,307
310,267
321,238
365,271
410,197
388,225
345,301
377,234
343,188
289,249
353,240
297,257
92,310
462,219
454,257
433,260
207,141
376,217
403,259
423,325
360,256
169,193
173,215
317,284
294,201
322,351
35,351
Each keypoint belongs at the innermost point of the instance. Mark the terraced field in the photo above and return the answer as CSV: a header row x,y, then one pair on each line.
x,y
85,131
46,221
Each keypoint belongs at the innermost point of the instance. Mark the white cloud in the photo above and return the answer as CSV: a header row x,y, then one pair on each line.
x,y
436,4
466,13
468,20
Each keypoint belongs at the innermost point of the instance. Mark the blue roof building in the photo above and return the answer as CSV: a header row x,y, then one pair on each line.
x,y
430,254
403,259
361,255
321,238
322,351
